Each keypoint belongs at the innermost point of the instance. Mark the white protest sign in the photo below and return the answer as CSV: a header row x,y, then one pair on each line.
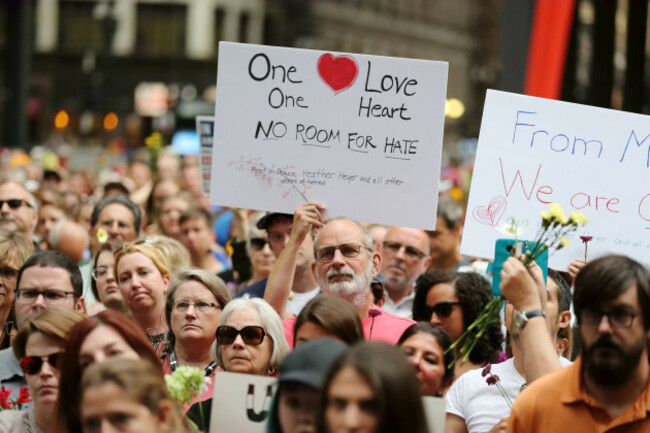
x,y
241,402
361,134
205,131
535,151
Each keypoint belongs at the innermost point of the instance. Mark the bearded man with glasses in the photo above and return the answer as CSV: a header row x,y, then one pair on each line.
x,y
48,279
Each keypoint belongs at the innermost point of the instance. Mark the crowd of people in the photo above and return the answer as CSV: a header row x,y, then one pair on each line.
x,y
109,283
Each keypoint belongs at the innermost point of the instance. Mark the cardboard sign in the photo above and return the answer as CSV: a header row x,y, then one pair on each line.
x,y
241,402
205,130
361,134
535,151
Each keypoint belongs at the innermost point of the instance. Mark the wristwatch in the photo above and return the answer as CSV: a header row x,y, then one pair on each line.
x,y
521,318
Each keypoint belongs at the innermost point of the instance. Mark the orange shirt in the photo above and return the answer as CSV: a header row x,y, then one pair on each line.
x,y
558,403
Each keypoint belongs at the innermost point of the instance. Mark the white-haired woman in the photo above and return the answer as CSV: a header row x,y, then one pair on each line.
x,y
250,339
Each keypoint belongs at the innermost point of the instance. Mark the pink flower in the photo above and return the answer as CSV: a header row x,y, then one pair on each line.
x,y
586,239
374,313
502,357
492,380
4,398
486,370
24,396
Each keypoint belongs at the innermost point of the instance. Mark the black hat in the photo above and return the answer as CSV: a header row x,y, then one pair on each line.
x,y
265,222
309,362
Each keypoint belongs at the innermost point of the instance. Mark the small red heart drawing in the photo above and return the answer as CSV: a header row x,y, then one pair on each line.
x,y
339,73
491,214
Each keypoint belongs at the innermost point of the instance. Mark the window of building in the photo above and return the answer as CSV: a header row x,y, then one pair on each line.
x,y
82,29
244,22
161,30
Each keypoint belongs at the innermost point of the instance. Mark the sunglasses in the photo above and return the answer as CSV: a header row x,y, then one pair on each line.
x,y
33,364
258,243
14,203
253,335
442,309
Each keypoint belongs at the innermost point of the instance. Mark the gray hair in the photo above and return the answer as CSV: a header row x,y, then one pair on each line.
x,y
366,239
119,199
271,323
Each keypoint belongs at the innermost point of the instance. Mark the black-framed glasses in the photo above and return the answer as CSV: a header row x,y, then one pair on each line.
x,y
200,306
101,272
253,335
51,296
618,318
442,309
15,203
350,250
259,243
33,364
8,274
410,251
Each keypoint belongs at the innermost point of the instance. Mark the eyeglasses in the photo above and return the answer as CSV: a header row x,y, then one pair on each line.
x,y
258,243
349,250
15,203
33,364
442,309
617,318
8,274
411,252
51,296
253,335
101,272
200,306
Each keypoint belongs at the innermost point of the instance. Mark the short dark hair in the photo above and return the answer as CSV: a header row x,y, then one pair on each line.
x,y
196,213
55,259
451,212
119,199
473,293
444,340
605,279
271,217
564,295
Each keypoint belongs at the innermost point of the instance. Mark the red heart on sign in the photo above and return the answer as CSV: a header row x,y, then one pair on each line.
x,y
491,214
339,73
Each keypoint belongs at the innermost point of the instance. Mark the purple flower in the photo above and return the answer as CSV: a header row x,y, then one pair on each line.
x,y
586,239
502,357
492,380
486,370
374,313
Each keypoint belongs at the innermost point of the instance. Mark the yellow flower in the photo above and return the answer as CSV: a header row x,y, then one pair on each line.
x,y
578,219
564,242
546,215
102,236
556,212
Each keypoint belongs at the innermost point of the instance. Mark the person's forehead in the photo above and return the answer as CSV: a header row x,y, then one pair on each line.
x,y
407,236
196,221
116,211
339,232
9,190
45,277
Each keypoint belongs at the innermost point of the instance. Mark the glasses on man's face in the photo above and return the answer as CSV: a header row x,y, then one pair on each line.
x,y
349,250
200,306
101,272
33,364
15,203
411,252
442,309
253,335
8,274
618,318
258,244
51,296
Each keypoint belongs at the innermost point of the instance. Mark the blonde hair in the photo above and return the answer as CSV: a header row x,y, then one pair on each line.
x,y
175,252
16,247
146,248
55,323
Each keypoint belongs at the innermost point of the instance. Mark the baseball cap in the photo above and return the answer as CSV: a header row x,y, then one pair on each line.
x,y
265,222
309,362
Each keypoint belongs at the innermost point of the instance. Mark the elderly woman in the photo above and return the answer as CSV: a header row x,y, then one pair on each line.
x,y
15,248
194,303
130,396
38,346
108,335
142,274
250,339
425,345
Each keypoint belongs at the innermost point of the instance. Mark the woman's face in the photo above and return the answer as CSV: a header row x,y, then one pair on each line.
x,y
103,343
240,357
351,405
8,274
142,285
43,385
107,408
453,323
311,331
196,314
424,353
262,259
170,213
297,409
105,279
48,216
163,190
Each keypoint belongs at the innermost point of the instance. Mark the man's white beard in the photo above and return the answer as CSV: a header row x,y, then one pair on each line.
x,y
355,290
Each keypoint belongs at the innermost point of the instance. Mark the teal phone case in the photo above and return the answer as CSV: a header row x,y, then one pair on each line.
x,y
503,250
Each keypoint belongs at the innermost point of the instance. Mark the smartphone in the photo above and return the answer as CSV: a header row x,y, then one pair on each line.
x,y
503,249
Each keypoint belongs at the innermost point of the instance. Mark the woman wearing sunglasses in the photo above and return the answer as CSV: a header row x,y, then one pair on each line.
x,y
250,339
194,303
424,345
108,335
38,346
453,300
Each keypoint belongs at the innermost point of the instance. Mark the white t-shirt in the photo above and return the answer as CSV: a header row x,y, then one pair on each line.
x,y
299,300
482,405
403,308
